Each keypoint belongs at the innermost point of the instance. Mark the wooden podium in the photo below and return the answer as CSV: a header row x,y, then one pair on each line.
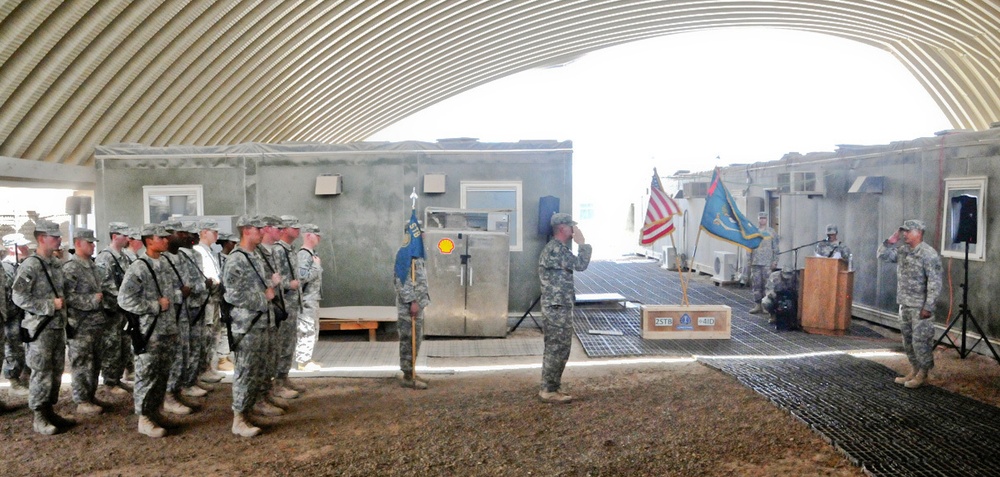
x,y
826,296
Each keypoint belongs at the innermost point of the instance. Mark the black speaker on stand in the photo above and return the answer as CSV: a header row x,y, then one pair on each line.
x,y
547,206
964,215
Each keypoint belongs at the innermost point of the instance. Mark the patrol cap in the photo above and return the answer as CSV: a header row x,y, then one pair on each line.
x,y
15,240
133,234
171,225
208,224
84,234
561,218
190,227
224,237
831,229
154,230
48,228
249,221
271,221
762,215
120,228
310,229
913,224
290,221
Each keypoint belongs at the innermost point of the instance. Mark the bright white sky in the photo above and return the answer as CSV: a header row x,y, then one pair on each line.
x,y
677,102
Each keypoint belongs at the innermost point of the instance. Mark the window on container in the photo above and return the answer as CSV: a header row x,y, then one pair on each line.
x,y
162,202
497,195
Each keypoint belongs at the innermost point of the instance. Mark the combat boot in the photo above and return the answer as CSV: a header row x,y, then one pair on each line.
x,y
88,409
56,419
265,408
42,425
289,384
918,380
904,379
117,389
412,383
276,401
242,426
150,428
193,391
172,405
279,390
554,397
225,364
756,310
210,376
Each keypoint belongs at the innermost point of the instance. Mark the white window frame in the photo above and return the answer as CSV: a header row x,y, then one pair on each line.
x,y
187,189
956,186
517,241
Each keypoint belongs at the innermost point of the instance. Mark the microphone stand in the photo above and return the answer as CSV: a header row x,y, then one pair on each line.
x,y
795,252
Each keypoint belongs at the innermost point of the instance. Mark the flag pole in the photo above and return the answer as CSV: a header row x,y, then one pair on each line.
x,y
413,318
680,272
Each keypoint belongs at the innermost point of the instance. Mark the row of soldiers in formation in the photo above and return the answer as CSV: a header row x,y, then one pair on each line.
x,y
160,301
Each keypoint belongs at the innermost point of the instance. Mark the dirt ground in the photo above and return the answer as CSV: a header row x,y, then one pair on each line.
x,y
630,420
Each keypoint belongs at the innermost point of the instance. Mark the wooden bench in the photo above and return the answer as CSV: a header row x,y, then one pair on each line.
x,y
337,318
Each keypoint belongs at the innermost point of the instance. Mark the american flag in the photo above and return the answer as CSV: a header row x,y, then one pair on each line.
x,y
659,213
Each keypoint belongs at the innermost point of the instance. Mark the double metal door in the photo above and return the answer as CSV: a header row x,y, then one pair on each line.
x,y
467,274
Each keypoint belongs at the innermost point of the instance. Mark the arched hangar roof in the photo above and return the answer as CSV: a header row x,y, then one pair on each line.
x,y
77,73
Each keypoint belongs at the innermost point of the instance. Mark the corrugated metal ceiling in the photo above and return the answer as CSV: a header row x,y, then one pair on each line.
x,y
74,74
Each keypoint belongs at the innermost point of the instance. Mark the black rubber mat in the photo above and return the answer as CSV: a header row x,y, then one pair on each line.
x,y
645,282
883,427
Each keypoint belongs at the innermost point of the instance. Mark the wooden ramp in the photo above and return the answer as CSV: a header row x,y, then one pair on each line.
x,y
336,318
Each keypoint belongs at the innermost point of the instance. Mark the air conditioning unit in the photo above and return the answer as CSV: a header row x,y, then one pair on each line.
x,y
695,189
669,258
802,183
725,267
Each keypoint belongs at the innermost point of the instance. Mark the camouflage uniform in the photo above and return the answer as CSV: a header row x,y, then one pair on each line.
x,y
555,270
830,249
85,313
46,355
763,259
918,272
264,252
139,294
244,281
413,290
191,331
779,281
117,349
310,276
13,348
286,264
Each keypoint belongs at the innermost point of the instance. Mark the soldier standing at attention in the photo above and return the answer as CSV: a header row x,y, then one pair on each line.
x,y
87,325
38,290
763,260
832,247
412,297
117,349
266,403
310,275
918,284
208,262
192,293
13,348
286,262
555,271
135,245
250,296
3,320
151,290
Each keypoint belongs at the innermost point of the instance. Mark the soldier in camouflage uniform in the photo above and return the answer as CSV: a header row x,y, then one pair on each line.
x,y
779,282
135,245
412,296
918,272
117,349
286,261
250,294
222,360
13,349
38,290
211,267
832,247
763,260
556,265
193,294
270,234
3,320
86,285
310,276
152,292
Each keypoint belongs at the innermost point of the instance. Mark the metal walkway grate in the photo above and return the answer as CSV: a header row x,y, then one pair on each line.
x,y
645,282
883,427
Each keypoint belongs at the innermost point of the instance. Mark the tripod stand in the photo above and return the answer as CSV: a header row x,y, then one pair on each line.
x,y
966,315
